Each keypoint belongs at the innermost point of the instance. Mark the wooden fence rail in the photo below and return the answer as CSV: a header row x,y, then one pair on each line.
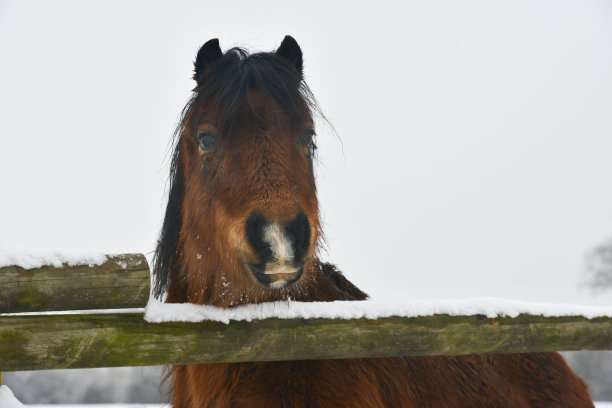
x,y
111,338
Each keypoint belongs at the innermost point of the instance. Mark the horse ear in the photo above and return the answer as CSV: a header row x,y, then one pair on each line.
x,y
209,52
290,50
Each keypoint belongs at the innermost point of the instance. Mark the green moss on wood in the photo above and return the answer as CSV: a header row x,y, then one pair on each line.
x,y
121,282
106,340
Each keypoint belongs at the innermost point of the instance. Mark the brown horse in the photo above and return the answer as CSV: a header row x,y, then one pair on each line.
x,y
242,226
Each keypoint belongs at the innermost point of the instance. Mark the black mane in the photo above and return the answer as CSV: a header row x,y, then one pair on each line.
x,y
228,81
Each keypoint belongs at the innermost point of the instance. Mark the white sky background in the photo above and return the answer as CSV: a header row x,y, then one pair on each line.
x,y
477,136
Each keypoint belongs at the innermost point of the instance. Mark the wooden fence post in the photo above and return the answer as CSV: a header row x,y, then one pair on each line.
x,y
120,282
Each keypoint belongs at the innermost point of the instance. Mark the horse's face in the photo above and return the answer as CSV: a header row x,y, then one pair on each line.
x,y
252,189
250,221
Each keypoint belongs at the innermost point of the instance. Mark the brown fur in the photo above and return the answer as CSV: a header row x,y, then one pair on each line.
x,y
260,166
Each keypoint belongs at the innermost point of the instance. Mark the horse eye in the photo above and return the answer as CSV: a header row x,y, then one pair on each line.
x,y
208,140
306,138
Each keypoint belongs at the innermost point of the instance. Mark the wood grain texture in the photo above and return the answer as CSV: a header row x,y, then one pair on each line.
x,y
110,340
121,282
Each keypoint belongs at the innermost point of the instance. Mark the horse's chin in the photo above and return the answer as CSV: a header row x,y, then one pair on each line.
x,y
276,277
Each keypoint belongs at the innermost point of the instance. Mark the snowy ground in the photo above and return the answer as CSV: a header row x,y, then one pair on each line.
x,y
120,406
7,400
112,406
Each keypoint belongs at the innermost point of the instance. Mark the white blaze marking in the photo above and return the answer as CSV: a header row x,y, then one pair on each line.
x,y
279,243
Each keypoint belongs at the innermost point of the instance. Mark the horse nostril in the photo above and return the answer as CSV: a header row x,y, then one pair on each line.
x,y
299,232
255,226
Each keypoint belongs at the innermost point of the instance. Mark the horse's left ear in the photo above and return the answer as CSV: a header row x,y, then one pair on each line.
x,y
290,50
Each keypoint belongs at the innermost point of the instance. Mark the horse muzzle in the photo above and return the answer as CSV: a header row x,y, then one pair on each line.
x,y
281,249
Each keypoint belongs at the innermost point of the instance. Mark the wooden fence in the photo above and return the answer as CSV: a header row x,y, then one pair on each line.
x,y
118,336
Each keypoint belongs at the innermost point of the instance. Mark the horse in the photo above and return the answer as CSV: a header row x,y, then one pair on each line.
x,y
242,226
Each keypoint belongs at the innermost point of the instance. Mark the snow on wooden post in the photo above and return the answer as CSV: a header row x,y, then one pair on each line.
x,y
119,281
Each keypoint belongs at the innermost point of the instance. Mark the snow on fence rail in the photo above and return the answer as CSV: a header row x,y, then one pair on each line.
x,y
270,332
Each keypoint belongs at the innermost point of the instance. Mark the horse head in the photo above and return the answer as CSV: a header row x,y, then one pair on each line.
x,y
242,221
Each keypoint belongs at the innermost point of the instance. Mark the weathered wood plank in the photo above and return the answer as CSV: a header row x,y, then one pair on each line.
x,y
107,340
121,282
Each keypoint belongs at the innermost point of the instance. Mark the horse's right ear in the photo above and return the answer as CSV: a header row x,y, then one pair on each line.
x,y
290,50
209,52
